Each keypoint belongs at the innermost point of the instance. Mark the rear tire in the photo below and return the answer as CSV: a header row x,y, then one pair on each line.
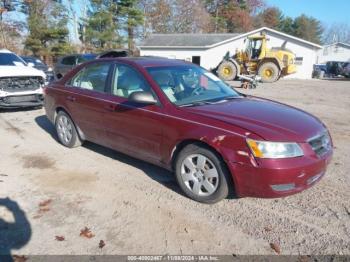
x,y
269,72
66,131
202,175
227,71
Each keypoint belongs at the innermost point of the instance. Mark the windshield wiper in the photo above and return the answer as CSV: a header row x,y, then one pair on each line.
x,y
197,103
223,99
210,102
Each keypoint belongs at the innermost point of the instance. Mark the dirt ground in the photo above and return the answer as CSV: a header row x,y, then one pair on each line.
x,y
137,208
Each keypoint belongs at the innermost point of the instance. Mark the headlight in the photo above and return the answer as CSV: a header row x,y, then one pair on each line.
x,y
264,149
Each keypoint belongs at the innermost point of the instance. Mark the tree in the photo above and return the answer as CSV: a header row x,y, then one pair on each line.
x,y
237,17
308,28
190,16
177,16
214,8
270,17
158,16
130,17
287,25
99,30
11,30
233,15
339,32
47,28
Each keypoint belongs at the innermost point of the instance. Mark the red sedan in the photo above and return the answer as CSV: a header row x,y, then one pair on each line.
x,y
179,116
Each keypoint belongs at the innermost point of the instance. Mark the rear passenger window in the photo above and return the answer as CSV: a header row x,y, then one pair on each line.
x,y
127,81
92,77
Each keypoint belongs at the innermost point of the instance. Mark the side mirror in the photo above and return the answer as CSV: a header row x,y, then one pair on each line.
x,y
143,97
30,64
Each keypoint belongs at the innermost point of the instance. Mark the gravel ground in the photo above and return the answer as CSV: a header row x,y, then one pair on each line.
x,y
137,208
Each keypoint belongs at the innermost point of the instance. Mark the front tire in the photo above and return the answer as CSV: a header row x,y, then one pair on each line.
x,y
269,72
66,131
202,174
227,71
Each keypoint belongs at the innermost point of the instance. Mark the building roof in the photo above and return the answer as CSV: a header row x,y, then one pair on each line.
x,y
339,44
186,40
208,40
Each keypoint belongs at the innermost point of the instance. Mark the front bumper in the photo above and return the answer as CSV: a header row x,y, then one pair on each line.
x,y
272,178
21,101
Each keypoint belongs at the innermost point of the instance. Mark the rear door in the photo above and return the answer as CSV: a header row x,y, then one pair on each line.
x,y
133,128
86,100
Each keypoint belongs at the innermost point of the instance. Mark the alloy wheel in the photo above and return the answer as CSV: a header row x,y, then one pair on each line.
x,y
64,129
200,175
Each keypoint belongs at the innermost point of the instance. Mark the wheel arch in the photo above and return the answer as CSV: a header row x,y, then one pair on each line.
x,y
182,144
61,108
272,60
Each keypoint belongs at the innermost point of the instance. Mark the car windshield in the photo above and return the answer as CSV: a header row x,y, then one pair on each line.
x,y
9,59
191,85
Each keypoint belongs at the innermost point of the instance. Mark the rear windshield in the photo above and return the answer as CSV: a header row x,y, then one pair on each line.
x,y
8,59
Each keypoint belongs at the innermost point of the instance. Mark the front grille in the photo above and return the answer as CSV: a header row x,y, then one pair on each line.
x,y
22,83
321,144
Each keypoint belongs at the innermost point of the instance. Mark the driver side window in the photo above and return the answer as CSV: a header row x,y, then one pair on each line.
x,y
127,81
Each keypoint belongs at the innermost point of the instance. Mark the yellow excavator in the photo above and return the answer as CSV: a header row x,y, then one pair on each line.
x,y
257,59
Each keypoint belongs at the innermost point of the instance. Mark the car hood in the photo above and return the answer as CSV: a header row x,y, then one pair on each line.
x,y
268,119
8,71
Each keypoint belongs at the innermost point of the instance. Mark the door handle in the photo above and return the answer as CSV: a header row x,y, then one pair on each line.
x,y
71,98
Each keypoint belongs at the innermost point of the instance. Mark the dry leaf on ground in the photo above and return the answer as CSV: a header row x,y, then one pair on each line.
x,y
275,247
17,258
59,238
45,203
101,244
86,232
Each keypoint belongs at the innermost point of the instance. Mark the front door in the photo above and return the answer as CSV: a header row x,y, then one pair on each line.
x,y
133,128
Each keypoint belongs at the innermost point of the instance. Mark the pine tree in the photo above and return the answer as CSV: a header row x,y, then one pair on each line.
x,y
47,27
130,16
99,30
286,25
308,28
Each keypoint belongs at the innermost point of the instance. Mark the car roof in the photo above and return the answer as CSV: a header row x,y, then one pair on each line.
x,y
148,61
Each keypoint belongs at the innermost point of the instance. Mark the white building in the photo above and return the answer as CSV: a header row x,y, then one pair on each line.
x,y
334,52
209,49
